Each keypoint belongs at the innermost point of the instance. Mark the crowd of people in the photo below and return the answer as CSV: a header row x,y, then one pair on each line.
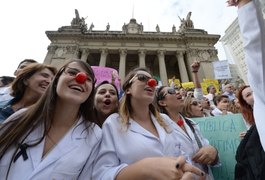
x,y
59,124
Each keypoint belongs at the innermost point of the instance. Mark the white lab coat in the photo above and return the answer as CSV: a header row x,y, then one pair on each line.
x,y
71,158
120,147
252,27
188,143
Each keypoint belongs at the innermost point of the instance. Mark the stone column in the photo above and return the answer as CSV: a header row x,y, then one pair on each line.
x,y
72,52
76,53
162,67
182,68
122,65
85,53
50,54
103,57
141,54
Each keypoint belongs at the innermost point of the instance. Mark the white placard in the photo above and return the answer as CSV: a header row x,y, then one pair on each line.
x,y
221,70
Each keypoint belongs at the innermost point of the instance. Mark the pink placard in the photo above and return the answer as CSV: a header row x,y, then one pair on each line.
x,y
105,74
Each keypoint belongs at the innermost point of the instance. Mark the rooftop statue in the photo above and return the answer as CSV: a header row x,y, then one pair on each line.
x,y
76,20
186,23
157,28
189,22
91,27
107,27
173,29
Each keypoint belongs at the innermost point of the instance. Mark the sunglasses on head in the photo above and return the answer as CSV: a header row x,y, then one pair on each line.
x,y
73,72
169,91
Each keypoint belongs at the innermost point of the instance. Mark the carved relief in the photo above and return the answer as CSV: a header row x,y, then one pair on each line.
x,y
52,49
71,49
142,52
213,53
60,52
204,55
123,51
180,53
104,51
160,52
193,52
133,27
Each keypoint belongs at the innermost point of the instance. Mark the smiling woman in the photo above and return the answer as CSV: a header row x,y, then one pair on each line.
x,y
56,138
28,87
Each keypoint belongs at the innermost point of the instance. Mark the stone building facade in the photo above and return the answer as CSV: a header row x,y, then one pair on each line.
x,y
232,43
166,54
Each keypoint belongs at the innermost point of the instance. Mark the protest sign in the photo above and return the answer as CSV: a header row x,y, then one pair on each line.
x,y
105,74
221,70
223,133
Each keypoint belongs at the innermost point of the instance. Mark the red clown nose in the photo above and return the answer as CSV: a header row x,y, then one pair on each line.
x,y
152,83
81,78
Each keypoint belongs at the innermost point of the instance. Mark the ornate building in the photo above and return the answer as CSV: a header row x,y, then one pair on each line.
x,y
166,54
232,42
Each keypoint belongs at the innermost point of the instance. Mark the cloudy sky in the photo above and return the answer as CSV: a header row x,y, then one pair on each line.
x,y
23,23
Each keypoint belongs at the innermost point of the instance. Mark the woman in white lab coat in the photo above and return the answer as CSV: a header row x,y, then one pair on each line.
x,y
136,141
106,101
252,27
56,138
192,142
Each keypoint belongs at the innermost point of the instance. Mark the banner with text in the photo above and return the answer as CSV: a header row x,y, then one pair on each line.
x,y
223,133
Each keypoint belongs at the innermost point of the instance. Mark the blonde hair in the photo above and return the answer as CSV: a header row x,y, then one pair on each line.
x,y
187,106
125,103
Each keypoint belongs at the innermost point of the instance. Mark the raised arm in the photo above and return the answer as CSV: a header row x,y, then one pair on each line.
x,y
195,66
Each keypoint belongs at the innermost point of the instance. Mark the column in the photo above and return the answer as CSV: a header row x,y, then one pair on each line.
x,y
141,54
50,54
182,68
72,52
162,67
103,57
75,51
85,53
122,65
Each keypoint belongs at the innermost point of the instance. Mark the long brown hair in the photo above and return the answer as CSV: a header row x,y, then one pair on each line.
x,y
96,111
125,103
246,109
14,132
19,86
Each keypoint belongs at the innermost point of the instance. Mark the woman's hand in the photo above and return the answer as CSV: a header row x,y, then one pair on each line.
x,y
157,168
173,168
206,155
242,134
238,3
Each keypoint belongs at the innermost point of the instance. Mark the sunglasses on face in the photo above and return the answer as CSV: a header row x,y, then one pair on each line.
x,y
169,91
195,103
73,72
141,77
